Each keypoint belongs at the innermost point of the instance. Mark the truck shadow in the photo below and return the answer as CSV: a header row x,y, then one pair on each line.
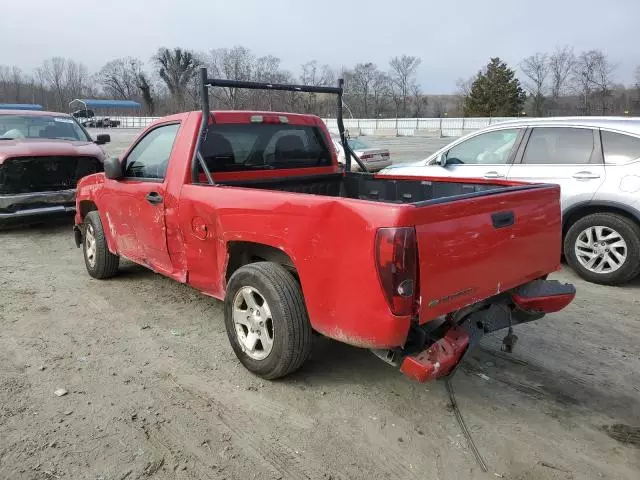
x,y
48,225
334,363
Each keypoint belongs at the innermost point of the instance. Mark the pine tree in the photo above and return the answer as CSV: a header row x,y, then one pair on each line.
x,y
495,92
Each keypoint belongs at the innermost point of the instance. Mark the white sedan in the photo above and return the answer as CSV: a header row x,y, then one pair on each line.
x,y
374,158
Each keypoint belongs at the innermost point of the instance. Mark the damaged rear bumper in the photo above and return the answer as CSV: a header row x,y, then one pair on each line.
x,y
527,303
25,205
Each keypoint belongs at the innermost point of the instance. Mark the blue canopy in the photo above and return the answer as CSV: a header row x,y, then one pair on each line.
x,y
20,106
95,103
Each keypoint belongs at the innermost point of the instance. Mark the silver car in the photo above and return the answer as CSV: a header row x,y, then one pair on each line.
x,y
374,158
596,162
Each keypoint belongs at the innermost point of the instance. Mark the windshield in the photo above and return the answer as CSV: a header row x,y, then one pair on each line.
x,y
40,126
357,144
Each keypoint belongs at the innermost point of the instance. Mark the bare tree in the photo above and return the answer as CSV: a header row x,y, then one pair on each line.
x,y
119,77
361,84
463,86
143,85
76,77
420,101
536,69
318,76
381,91
603,79
177,68
52,71
237,63
403,72
267,69
561,64
66,79
592,74
637,87
12,81
463,89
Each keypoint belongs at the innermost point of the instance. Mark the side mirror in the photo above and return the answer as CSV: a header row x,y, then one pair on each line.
x,y
441,160
103,138
113,168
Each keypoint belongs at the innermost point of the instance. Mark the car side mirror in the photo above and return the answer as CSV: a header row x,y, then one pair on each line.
x,y
441,160
103,138
113,168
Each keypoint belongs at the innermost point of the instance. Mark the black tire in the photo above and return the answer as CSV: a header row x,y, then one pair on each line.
x,y
290,325
629,231
105,264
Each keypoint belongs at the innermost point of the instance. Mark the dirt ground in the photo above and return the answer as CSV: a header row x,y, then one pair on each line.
x,y
155,391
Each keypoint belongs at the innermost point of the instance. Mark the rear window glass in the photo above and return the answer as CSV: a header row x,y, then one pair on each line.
x,y
357,144
559,146
619,148
238,147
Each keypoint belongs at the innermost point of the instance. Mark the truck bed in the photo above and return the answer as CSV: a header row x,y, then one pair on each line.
x,y
494,236
369,187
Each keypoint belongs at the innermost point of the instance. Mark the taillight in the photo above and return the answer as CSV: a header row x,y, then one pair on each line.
x,y
397,263
385,154
366,156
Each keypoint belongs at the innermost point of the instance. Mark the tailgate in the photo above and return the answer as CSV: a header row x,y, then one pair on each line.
x,y
476,247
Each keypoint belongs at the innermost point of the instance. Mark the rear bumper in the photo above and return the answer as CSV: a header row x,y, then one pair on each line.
x,y
527,303
23,205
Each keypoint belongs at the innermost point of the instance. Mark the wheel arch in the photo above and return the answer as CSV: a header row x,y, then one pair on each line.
x,y
241,253
86,206
579,211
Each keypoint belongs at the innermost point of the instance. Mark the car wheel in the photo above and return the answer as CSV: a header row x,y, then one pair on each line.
x,y
604,248
266,320
100,262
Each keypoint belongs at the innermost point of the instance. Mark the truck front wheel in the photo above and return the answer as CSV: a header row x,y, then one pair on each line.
x,y
266,320
100,262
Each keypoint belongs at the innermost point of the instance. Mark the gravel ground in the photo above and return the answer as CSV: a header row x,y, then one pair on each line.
x,y
153,389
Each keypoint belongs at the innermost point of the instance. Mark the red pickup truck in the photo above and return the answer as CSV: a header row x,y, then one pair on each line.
x,y
42,157
252,208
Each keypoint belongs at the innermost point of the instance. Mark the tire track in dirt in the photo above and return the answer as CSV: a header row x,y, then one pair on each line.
x,y
282,458
531,377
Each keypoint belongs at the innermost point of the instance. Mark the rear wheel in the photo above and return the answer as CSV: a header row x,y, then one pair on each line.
x,y
604,248
100,262
266,320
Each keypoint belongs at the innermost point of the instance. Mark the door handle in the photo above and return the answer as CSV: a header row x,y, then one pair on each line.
x,y
154,198
493,174
586,175
503,219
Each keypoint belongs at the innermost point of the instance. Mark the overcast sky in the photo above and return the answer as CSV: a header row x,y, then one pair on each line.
x,y
454,38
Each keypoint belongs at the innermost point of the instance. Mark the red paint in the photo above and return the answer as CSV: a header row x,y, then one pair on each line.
x,y
550,304
460,252
439,359
330,240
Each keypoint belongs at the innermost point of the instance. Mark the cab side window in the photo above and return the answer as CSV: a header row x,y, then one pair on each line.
x,y
150,157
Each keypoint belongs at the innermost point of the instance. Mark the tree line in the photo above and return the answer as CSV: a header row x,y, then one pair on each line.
x,y
558,83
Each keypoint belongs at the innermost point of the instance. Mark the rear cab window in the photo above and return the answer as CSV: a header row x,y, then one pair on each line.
x,y
234,147
619,148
